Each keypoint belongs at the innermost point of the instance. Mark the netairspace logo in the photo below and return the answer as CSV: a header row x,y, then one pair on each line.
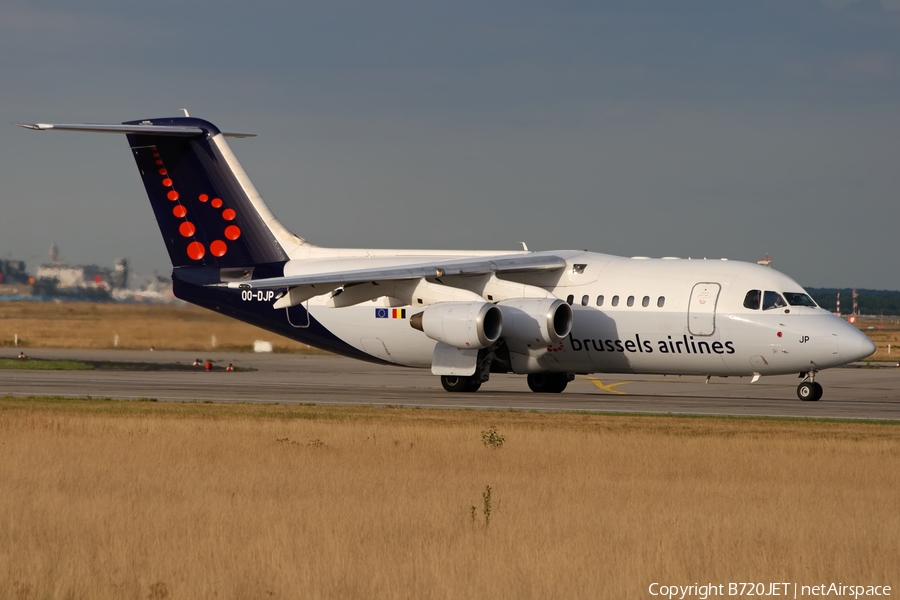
x,y
781,588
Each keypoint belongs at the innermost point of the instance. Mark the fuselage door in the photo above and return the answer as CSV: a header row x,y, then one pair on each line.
x,y
702,309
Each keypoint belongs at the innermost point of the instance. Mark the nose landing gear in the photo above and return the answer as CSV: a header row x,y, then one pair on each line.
x,y
809,390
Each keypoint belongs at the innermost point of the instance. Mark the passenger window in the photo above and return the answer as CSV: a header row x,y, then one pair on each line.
x,y
585,299
751,300
615,301
773,300
645,302
661,301
798,299
630,301
570,299
599,300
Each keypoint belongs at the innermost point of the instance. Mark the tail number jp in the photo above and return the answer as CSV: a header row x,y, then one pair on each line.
x,y
258,295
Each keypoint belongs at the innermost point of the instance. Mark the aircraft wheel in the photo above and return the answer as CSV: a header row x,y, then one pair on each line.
x,y
548,383
458,383
809,391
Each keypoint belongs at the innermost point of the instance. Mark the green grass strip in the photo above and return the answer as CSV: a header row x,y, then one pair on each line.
x,y
32,364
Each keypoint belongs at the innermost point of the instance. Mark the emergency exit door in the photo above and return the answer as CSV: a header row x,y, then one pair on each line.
x,y
702,308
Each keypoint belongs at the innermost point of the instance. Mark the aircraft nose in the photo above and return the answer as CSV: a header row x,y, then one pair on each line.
x,y
855,345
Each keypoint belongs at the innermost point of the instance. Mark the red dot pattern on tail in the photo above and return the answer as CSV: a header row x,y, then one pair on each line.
x,y
195,249
218,248
187,229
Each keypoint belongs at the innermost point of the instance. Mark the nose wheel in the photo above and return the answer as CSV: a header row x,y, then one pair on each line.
x,y
809,390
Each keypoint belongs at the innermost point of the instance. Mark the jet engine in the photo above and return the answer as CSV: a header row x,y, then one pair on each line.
x,y
536,320
460,324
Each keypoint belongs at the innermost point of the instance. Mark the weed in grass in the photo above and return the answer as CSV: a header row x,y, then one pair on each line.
x,y
159,591
486,505
21,590
492,439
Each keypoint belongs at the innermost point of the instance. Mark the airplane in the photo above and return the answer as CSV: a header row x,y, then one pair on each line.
x,y
466,314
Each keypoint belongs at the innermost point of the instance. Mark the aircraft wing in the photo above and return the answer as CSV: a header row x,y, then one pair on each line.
x,y
513,263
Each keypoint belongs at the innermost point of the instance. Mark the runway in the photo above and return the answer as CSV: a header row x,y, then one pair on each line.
x,y
851,393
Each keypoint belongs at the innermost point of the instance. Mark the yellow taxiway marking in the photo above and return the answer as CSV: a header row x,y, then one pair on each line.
x,y
608,387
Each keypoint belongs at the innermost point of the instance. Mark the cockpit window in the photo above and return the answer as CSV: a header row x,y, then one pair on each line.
x,y
798,299
751,300
773,300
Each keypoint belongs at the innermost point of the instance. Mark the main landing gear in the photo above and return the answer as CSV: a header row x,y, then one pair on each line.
x,y
809,390
549,383
542,383
460,383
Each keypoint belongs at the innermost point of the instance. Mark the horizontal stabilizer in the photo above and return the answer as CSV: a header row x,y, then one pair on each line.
x,y
139,129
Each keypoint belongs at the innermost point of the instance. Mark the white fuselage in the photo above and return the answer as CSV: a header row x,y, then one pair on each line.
x,y
663,316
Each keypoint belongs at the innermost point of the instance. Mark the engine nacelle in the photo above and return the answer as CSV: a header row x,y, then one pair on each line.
x,y
536,320
460,324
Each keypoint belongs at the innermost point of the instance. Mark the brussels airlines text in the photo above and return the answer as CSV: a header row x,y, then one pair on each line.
x,y
686,344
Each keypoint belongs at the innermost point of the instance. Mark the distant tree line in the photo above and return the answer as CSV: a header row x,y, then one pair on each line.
x,y
871,302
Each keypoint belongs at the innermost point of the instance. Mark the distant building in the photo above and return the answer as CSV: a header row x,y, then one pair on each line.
x,y
85,276
90,282
13,271
58,280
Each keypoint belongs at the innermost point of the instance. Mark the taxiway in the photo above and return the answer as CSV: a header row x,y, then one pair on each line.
x,y
853,393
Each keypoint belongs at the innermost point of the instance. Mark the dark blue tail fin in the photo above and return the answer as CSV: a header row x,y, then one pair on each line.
x,y
200,196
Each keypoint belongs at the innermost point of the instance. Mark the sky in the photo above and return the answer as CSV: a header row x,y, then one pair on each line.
x,y
691,128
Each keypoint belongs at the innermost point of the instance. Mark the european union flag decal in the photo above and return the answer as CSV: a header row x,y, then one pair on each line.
x,y
382,313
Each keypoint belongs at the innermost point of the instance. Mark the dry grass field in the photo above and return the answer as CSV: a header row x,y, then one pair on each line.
x,y
138,326
146,500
